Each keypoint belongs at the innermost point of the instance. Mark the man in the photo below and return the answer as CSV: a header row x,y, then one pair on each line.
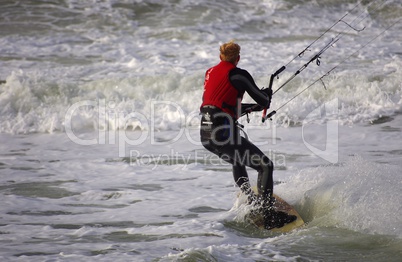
x,y
224,87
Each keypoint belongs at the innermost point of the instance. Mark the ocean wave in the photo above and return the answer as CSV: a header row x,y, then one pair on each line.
x,y
127,65
171,102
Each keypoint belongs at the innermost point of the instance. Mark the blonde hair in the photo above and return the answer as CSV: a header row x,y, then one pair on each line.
x,y
230,51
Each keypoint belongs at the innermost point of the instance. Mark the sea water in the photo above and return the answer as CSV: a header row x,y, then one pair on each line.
x,y
100,158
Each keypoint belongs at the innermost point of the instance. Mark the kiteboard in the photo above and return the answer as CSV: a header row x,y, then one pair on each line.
x,y
280,205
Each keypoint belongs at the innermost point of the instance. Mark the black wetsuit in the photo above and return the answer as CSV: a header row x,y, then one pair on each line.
x,y
220,135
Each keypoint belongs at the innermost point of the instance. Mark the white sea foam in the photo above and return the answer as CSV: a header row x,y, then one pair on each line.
x,y
357,195
132,63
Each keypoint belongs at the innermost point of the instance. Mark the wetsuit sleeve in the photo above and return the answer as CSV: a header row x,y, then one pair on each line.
x,y
244,82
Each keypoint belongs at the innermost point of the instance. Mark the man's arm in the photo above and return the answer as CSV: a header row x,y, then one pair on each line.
x,y
243,81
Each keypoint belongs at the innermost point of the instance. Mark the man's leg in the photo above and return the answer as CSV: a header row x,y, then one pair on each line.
x,y
245,154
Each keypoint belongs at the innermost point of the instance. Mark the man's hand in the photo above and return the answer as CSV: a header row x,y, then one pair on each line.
x,y
268,92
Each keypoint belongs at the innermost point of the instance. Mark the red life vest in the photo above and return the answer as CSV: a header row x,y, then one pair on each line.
x,y
218,91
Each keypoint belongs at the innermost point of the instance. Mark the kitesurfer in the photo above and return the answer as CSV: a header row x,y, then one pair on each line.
x,y
224,87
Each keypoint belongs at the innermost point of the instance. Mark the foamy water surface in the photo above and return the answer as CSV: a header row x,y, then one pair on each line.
x,y
100,157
